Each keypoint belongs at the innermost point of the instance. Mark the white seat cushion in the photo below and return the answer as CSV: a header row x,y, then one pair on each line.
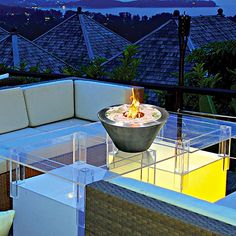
x,y
91,97
13,114
6,140
6,219
3,166
18,134
49,102
62,125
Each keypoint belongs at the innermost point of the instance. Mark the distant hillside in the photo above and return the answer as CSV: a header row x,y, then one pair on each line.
x,y
140,3
110,3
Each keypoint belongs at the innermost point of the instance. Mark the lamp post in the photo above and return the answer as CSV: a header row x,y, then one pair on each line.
x,y
183,31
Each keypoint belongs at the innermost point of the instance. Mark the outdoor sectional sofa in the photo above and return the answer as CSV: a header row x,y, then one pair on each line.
x,y
121,206
34,109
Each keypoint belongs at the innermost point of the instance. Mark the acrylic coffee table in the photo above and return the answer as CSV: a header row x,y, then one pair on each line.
x,y
54,202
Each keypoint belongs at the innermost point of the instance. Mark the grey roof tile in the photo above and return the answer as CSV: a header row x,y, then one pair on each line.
x,y
30,54
80,39
3,34
159,51
159,55
206,29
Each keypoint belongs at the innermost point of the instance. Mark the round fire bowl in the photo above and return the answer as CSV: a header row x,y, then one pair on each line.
x,y
128,138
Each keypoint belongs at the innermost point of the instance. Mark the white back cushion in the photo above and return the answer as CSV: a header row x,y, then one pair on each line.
x,y
91,97
13,114
49,102
6,219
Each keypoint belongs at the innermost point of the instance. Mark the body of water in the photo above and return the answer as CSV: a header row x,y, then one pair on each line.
x,y
229,7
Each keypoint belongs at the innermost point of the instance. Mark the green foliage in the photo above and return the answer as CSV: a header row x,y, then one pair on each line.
x,y
23,66
218,58
161,97
34,69
206,104
47,71
233,102
215,66
94,69
232,75
200,77
129,64
71,71
2,67
13,81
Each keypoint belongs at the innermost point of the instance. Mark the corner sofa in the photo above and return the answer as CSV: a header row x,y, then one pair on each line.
x,y
45,107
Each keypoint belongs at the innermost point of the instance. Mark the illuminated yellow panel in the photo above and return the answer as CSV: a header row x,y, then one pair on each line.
x,y
207,183
205,180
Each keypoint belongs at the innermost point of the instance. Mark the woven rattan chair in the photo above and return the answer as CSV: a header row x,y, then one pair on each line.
x,y
114,210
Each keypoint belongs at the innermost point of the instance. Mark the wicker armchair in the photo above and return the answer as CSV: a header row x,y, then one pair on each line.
x,y
113,210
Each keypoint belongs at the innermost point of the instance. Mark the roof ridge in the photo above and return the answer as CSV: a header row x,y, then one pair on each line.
x,y
190,44
55,27
44,50
5,38
106,28
154,31
8,36
140,40
15,50
118,54
4,30
86,37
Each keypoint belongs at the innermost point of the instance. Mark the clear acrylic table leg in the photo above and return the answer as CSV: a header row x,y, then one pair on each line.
x,y
85,177
17,174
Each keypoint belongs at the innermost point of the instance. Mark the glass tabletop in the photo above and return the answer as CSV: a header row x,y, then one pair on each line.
x,y
62,153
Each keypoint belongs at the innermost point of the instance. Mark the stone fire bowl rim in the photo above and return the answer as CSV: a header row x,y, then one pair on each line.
x,y
164,116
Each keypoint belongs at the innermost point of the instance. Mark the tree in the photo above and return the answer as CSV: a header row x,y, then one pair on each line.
x,y
217,58
199,77
94,69
127,70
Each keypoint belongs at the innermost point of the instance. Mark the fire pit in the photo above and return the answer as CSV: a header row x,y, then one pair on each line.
x,y
134,127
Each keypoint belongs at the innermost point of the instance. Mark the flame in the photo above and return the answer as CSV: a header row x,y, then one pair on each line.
x,y
134,107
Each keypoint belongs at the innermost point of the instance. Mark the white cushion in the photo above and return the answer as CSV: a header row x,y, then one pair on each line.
x,y
9,139
3,166
62,125
13,114
18,134
49,102
91,97
6,219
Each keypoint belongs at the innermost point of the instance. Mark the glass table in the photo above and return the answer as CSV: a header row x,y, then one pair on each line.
x,y
76,156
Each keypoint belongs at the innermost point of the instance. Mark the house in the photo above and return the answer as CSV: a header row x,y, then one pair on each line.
x,y
80,39
3,34
159,51
20,53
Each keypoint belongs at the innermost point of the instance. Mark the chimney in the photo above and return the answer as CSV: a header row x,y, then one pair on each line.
x,y
15,49
79,10
176,13
220,12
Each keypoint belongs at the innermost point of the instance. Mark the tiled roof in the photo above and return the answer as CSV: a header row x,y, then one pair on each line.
x,y
80,39
30,54
159,55
206,29
159,51
3,33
